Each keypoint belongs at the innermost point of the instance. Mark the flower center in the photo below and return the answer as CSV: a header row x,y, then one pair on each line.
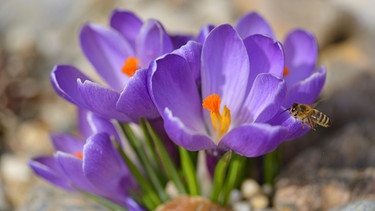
x,y
285,72
220,121
130,66
78,155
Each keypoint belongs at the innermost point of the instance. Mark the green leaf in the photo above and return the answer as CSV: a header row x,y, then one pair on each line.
x,y
103,201
271,166
220,176
189,172
167,162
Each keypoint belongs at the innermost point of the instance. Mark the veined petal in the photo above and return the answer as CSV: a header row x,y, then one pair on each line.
x,y
101,125
127,23
66,143
47,168
83,125
152,42
179,40
225,67
100,164
64,80
301,51
72,168
265,56
253,140
294,126
192,52
308,90
172,86
107,50
263,101
252,23
101,100
183,135
134,100
205,30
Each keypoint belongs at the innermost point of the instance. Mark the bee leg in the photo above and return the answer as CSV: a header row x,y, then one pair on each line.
x,y
311,124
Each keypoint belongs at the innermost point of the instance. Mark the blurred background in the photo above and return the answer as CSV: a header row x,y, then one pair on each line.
x,y
325,169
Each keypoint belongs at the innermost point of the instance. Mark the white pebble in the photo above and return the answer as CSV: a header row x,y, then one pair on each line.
x,y
241,206
235,196
171,189
249,188
259,201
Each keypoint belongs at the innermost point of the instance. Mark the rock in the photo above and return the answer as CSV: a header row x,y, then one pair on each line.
x,y
241,206
183,203
259,201
360,205
249,188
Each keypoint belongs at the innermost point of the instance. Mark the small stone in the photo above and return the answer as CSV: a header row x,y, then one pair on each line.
x,y
249,188
259,201
183,203
241,206
235,196
267,189
171,189
363,205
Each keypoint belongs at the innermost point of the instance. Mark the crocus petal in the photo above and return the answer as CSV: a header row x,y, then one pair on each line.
x,y
101,125
204,33
180,40
308,90
263,101
127,23
135,101
191,52
83,124
252,23
101,100
265,56
64,80
47,168
253,140
72,168
66,143
225,67
152,42
107,51
293,125
301,51
176,96
100,164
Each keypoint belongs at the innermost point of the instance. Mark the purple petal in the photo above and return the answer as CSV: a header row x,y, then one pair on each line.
x,y
308,90
180,40
83,124
152,42
64,80
100,164
47,168
135,101
107,51
253,140
177,99
127,23
294,126
72,168
263,101
102,125
252,23
204,33
265,56
192,52
225,67
66,143
101,100
301,51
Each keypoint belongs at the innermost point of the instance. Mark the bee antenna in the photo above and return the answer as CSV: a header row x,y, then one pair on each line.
x,y
285,110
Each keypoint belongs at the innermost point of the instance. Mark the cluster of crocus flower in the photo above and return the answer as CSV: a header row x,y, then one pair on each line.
x,y
223,90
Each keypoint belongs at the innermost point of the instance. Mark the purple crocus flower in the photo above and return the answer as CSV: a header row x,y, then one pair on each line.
x,y
90,163
304,81
121,55
230,106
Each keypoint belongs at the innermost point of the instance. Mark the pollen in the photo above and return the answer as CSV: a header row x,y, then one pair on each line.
x,y
78,155
286,71
220,121
130,66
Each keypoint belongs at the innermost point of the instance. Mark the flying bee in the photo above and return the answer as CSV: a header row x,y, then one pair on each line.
x,y
309,115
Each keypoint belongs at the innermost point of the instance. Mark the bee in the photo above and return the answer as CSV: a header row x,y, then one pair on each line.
x,y
310,116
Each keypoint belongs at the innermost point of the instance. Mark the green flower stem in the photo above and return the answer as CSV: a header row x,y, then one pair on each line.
x,y
167,162
271,166
146,163
189,171
220,176
234,174
150,197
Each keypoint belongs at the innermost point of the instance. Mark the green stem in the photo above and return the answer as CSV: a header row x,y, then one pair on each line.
x,y
272,164
220,176
234,174
189,172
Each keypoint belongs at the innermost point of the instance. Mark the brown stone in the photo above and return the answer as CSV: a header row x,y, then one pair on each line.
x,y
192,203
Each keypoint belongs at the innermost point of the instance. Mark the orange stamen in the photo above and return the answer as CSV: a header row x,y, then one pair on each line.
x,y
220,122
78,155
130,66
286,71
